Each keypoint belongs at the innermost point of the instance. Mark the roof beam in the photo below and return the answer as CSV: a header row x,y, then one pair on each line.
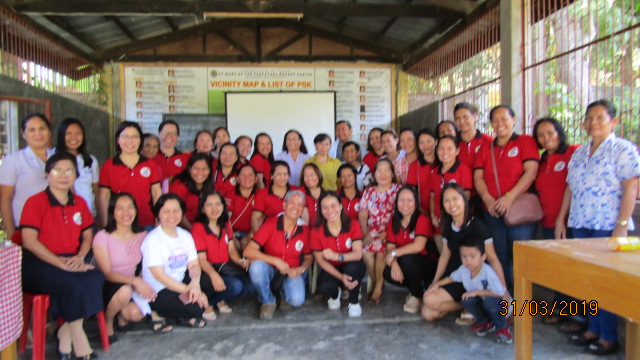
x,y
171,24
182,8
243,58
388,25
122,27
64,25
234,43
285,45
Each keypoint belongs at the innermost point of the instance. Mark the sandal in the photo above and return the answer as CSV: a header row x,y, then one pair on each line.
x,y
121,328
197,323
598,348
161,327
581,340
465,319
210,316
224,308
573,327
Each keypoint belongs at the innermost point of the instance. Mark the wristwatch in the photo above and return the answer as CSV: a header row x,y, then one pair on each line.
x,y
623,222
393,253
341,257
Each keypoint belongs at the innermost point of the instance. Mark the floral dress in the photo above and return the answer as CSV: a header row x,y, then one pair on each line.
x,y
380,206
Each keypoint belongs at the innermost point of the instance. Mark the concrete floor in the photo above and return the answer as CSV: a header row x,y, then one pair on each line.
x,y
313,332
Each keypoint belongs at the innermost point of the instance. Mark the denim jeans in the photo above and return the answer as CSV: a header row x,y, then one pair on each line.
x,y
261,275
236,287
485,309
503,238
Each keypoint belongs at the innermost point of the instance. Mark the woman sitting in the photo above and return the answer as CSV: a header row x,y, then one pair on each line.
x,y
224,271
195,180
56,236
410,262
336,242
117,253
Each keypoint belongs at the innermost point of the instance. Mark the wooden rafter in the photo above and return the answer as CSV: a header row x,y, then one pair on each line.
x,y
234,43
171,24
285,45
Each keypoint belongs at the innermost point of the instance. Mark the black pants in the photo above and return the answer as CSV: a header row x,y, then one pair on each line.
x,y
168,304
418,271
328,285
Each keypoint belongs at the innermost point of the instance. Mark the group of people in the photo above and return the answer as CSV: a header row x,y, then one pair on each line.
x,y
178,234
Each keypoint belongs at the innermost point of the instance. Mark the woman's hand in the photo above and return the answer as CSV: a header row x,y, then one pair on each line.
x,y
218,283
145,290
619,231
468,295
244,263
388,259
396,273
503,204
75,264
432,289
367,239
561,230
282,266
329,254
193,292
435,220
348,282
295,272
490,203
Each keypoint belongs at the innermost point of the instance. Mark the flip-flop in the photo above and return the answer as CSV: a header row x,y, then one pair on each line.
x,y
163,327
210,316
198,323
465,319
598,348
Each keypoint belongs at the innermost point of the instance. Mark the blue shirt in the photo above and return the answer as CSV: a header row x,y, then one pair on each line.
x,y
487,279
596,183
295,167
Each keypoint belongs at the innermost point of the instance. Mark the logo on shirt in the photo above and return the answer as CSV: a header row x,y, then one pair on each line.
x,y
348,243
178,259
178,162
226,238
77,218
357,207
145,171
478,148
513,152
412,234
299,245
233,181
452,181
485,284
560,165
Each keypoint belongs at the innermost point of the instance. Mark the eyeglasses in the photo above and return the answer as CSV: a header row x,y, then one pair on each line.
x,y
169,133
130,137
68,172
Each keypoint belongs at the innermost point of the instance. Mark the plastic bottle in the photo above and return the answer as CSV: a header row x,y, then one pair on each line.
x,y
624,243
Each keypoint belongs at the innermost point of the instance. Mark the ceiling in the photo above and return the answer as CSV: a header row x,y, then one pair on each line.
x,y
396,31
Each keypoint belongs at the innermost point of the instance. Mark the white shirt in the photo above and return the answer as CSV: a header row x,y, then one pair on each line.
x,y
88,177
364,177
295,167
487,279
25,172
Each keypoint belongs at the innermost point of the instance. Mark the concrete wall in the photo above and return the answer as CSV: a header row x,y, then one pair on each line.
x,y
96,122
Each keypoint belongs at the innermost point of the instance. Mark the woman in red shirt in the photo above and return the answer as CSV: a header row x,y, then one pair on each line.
x,y
220,136
262,158
270,200
225,174
348,191
420,171
241,206
311,181
224,271
190,184
374,148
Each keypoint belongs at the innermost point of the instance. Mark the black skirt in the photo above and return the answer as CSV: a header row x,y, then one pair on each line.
x,y
74,295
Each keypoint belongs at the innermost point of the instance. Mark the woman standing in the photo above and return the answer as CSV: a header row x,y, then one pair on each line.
x,y
203,142
225,177
516,160
351,154
376,208
603,184
457,224
396,155
129,172
22,173
190,184
336,242
220,137
411,258
328,165
262,158
71,139
150,146
224,271
374,148
349,193
170,160
447,127
56,236
420,171
409,144
170,266
244,144
270,201
241,206
294,152
311,179
117,253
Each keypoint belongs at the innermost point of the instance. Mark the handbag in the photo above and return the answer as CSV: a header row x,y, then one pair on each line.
x,y
525,209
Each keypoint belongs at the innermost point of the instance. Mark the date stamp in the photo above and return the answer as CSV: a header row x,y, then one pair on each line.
x,y
545,308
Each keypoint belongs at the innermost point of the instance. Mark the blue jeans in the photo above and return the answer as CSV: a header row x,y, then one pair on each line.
x,y
236,287
503,238
261,275
604,323
485,309
549,233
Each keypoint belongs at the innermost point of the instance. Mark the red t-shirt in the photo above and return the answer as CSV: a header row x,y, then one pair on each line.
x,y
269,203
262,166
119,178
404,237
469,150
371,159
551,182
312,207
459,173
351,206
190,199
510,161
271,237
59,226
322,239
171,165
241,209
226,185
216,247
420,175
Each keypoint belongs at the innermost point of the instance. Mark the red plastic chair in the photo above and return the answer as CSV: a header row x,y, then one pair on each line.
x,y
40,304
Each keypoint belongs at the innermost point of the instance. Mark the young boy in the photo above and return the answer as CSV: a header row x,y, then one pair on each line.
x,y
483,290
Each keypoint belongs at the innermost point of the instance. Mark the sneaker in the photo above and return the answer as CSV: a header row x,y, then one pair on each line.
x,y
266,311
355,310
482,329
334,304
412,305
504,336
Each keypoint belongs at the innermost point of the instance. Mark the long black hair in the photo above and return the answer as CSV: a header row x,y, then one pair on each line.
x,y
303,146
429,132
127,124
344,218
562,136
185,176
202,217
396,220
234,167
163,200
61,144
445,219
255,147
111,220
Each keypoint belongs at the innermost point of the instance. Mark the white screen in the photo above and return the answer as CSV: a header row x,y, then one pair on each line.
x,y
310,113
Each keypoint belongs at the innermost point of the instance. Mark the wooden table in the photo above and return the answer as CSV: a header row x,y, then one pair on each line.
x,y
582,268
